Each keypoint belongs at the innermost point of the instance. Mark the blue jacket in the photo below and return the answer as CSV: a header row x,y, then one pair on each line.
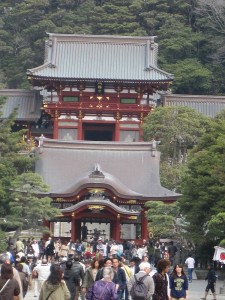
x,y
178,286
122,281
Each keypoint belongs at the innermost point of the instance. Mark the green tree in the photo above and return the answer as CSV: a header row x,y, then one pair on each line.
x,y
178,130
191,77
114,17
203,184
28,203
216,226
162,219
13,161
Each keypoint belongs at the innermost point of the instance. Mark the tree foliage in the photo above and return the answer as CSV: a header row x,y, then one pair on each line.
x,y
162,219
178,130
12,161
204,184
20,206
28,204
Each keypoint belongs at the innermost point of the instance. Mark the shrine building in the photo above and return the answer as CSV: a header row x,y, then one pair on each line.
x,y
97,90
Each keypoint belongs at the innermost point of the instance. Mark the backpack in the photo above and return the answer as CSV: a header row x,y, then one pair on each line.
x,y
139,290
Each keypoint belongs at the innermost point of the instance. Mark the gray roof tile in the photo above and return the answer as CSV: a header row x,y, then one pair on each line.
x,y
208,105
27,102
101,57
129,169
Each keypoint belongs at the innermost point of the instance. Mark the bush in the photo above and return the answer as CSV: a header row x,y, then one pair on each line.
x,y
222,243
3,244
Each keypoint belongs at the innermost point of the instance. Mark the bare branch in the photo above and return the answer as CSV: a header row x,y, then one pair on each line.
x,y
214,10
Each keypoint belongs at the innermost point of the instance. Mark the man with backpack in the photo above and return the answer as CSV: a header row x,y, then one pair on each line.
x,y
141,285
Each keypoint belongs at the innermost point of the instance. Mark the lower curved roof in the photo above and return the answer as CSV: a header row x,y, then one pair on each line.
x,y
107,203
131,169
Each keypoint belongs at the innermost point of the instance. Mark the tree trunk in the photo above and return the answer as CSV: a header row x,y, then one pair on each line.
x,y
17,234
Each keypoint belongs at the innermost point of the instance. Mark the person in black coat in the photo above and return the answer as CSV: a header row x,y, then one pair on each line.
x,y
211,278
122,281
50,250
107,263
71,279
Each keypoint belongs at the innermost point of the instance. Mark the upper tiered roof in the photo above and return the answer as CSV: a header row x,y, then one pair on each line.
x,y
109,58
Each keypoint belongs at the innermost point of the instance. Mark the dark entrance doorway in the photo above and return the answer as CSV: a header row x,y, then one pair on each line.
x,y
95,228
99,132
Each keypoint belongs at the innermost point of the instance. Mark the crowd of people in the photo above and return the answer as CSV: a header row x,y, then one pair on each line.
x,y
54,269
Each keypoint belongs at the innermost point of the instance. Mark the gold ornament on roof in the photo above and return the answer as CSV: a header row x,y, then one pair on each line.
x,y
132,201
94,207
132,217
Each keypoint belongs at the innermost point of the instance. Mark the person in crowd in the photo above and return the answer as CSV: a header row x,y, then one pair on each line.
x,y
54,288
5,259
71,278
12,252
103,289
172,250
141,252
42,272
157,255
64,250
121,277
90,275
19,255
145,269
23,278
134,251
151,252
128,273
31,264
35,247
9,286
30,250
126,248
19,245
178,284
145,258
134,266
114,249
88,251
161,280
26,269
84,231
57,245
124,260
41,245
211,278
50,250
119,249
79,248
100,247
190,262
107,264
78,270
71,246
162,249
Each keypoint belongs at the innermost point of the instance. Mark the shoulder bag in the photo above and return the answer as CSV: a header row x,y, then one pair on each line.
x,y
4,285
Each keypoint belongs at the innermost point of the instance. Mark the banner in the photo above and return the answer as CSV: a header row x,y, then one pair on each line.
x,y
219,254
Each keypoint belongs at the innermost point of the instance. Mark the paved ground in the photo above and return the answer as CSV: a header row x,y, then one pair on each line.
x,y
196,291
